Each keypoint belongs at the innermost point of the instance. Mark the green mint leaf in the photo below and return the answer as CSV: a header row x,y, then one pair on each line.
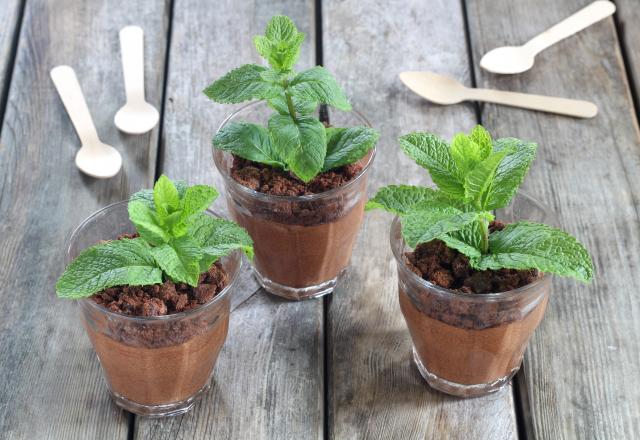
x,y
483,139
478,181
219,237
281,42
404,199
302,104
302,144
115,263
432,153
147,222
165,197
318,85
429,224
146,195
249,141
466,154
462,246
198,198
180,259
511,171
242,84
348,146
526,245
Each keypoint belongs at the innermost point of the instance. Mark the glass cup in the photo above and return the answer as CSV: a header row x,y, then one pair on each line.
x,y
302,244
470,344
160,365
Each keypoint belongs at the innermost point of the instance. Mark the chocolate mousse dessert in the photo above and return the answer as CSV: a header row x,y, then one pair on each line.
x,y
294,181
465,339
165,361
155,299
298,242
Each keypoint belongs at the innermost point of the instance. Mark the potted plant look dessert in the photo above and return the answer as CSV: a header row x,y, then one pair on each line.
x,y
154,297
295,183
473,289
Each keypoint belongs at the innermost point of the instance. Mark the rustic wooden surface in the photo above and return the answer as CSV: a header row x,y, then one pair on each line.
x,y
581,367
340,367
375,390
51,385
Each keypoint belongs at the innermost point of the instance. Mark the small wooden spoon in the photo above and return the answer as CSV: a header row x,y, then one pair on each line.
x,y
445,90
518,59
137,116
94,157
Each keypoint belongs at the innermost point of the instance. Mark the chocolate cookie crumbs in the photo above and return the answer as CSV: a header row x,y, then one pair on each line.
x,y
165,298
266,179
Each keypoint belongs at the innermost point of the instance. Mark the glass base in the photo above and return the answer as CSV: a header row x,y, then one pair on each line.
x,y
458,389
297,293
155,411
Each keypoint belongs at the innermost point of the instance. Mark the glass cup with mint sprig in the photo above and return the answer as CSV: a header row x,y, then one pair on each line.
x,y
295,183
153,277
474,259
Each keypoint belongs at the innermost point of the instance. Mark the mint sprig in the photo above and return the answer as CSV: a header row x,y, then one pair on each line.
x,y
475,175
293,139
178,241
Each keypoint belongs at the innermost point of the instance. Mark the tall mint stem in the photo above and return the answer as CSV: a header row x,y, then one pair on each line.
x,y
484,244
289,99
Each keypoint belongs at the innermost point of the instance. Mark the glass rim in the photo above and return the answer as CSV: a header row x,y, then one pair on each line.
x,y
481,297
306,198
163,318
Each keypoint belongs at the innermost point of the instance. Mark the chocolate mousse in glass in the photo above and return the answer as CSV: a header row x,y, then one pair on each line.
x,y
302,243
470,344
154,365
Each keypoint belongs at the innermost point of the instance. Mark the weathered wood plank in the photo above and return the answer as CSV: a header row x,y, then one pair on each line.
x,y
375,391
628,17
51,385
268,382
9,23
581,369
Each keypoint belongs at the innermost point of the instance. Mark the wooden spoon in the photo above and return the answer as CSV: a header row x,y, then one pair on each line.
x,y
94,158
137,116
517,59
445,90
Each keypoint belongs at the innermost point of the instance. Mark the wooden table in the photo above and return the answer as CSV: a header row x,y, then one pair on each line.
x,y
339,367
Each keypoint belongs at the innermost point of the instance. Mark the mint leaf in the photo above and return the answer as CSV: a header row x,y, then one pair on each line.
x,y
404,199
198,198
318,85
466,154
280,45
302,144
115,263
249,141
432,153
165,197
526,245
302,104
146,195
180,259
429,224
147,222
219,237
483,139
480,178
348,146
462,246
242,84
511,171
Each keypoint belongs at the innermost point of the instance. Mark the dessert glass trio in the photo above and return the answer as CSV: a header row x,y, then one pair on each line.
x,y
474,258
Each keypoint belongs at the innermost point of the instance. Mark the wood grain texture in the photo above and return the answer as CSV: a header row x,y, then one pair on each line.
x,y
51,385
10,25
627,17
375,391
581,368
268,381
